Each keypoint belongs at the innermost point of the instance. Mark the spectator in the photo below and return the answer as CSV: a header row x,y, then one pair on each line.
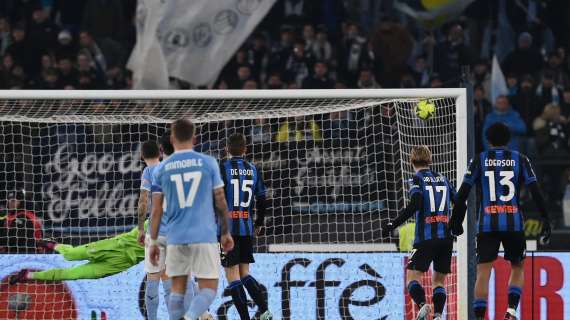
x,y
104,19
42,32
451,54
435,81
274,81
299,129
524,59
481,76
366,80
68,75
503,112
243,74
421,72
116,79
21,50
298,64
322,48
482,109
86,70
512,85
309,37
351,54
320,78
65,48
547,91
526,102
105,53
5,38
559,75
259,54
22,227
407,81
551,130
281,51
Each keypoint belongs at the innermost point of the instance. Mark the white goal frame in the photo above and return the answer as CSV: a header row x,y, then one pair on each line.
x,y
459,94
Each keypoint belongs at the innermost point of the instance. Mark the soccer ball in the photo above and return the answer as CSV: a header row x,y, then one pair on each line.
x,y
425,109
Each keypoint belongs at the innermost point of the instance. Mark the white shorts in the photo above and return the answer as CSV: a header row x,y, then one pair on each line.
x,y
202,260
149,267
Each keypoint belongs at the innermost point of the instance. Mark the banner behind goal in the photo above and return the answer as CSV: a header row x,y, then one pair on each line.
x,y
336,164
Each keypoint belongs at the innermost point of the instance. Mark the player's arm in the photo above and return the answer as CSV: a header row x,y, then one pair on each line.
x,y
156,215
221,209
534,189
142,209
416,203
459,202
260,203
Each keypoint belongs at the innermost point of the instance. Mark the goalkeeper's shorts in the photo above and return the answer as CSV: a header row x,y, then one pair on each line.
x,y
201,260
148,266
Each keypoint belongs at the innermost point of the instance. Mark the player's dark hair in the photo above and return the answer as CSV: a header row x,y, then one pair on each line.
x,y
236,144
150,150
183,130
498,135
165,144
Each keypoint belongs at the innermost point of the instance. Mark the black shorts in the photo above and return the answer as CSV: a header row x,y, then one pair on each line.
x,y
241,253
438,251
488,244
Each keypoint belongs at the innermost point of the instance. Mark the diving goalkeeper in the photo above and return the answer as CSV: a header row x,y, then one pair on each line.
x,y
105,258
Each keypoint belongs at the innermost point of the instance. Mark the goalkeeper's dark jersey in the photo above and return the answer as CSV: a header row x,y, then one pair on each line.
x,y
243,183
499,174
433,217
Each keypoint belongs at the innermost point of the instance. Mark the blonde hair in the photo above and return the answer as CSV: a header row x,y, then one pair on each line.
x,y
420,156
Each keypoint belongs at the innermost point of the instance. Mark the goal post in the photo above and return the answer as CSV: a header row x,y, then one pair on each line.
x,y
335,163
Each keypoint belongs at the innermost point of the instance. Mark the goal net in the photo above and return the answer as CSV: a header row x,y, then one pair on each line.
x,y
336,165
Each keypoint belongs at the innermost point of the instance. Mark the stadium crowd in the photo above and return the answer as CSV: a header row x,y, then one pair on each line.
x,y
85,44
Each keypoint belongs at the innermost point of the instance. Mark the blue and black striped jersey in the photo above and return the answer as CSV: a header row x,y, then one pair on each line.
x,y
499,174
437,195
243,183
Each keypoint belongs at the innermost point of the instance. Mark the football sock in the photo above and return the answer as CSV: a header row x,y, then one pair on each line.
x,y
417,293
514,296
166,285
439,297
151,299
201,303
254,290
480,307
190,293
239,298
176,306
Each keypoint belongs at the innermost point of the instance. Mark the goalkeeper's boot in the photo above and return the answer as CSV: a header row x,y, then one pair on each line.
x,y
511,314
266,316
424,311
22,276
48,244
437,316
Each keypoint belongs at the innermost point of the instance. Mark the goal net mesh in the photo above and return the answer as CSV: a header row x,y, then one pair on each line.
x,y
336,170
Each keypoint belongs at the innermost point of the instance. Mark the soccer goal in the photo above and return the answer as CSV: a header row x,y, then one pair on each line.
x,y
335,162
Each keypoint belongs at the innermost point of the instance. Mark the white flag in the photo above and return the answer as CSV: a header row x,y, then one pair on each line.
x,y
498,83
147,60
198,37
